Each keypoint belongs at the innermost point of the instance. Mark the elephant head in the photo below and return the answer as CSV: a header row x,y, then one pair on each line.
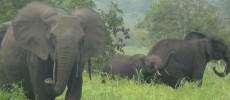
x,y
217,49
153,63
68,40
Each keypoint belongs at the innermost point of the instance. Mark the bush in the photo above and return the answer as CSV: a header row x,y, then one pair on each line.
x,y
16,93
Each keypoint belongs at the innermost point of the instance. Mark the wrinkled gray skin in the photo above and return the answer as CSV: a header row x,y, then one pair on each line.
x,y
190,58
131,66
46,49
3,29
197,36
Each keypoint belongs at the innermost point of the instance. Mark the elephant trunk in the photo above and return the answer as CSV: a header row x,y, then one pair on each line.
x,y
167,60
66,57
226,70
164,64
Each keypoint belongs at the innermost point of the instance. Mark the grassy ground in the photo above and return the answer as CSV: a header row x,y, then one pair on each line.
x,y
213,88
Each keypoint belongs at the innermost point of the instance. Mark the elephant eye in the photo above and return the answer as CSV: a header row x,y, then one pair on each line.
x,y
52,40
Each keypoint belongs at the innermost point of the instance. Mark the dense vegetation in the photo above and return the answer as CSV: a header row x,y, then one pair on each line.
x,y
175,18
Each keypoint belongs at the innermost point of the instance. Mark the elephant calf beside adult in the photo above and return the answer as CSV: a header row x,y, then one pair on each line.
x,y
134,66
46,49
191,56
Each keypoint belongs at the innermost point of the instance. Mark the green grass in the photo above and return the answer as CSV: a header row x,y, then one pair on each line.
x,y
16,93
213,88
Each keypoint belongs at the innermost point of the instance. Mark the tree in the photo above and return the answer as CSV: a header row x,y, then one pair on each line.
x,y
174,18
223,9
115,26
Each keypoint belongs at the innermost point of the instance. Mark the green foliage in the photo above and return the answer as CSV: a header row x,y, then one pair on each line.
x,y
8,9
223,8
174,18
16,93
116,31
69,5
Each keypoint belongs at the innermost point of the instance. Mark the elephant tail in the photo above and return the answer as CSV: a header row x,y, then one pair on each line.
x,y
89,68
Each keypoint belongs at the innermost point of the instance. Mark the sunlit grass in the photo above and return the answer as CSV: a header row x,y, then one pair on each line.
x,y
213,88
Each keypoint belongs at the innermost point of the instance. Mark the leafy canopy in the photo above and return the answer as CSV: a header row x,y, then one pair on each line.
x,y
174,18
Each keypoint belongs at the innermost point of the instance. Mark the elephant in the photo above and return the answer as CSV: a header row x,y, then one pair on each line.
x,y
191,57
133,66
198,35
46,49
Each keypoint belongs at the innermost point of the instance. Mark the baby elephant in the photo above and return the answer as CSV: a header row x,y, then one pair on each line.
x,y
132,66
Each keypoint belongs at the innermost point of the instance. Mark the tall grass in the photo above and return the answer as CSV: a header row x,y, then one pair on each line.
x,y
213,87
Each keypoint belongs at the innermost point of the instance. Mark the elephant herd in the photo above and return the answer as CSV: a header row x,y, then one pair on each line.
x,y
46,48
171,60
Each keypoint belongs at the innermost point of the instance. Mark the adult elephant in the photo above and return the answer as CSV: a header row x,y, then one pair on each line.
x,y
134,66
190,58
46,49
197,36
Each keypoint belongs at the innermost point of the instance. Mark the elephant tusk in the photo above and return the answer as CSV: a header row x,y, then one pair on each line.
x,y
158,72
77,69
54,72
166,71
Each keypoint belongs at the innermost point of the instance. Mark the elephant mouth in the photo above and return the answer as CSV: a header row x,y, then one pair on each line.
x,y
226,69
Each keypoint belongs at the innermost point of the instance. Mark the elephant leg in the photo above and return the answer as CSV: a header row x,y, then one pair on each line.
x,y
147,77
198,72
173,75
75,84
13,68
2,77
13,72
174,79
28,87
38,73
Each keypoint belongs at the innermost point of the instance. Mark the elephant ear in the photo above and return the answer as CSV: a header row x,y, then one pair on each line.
x,y
3,29
194,35
95,33
31,29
